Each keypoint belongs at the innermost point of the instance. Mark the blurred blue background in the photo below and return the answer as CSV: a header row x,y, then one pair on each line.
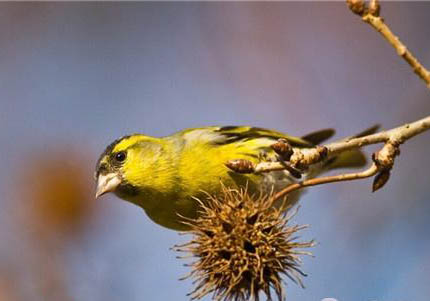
x,y
75,76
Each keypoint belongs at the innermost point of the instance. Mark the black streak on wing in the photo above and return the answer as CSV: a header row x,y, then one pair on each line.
x,y
244,135
319,136
227,128
368,131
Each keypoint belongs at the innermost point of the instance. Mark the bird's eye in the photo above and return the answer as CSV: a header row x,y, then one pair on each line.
x,y
120,156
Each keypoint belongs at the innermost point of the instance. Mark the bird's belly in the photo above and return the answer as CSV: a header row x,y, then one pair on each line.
x,y
275,181
168,209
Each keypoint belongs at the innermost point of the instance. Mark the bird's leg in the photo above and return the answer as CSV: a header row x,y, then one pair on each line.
x,y
296,173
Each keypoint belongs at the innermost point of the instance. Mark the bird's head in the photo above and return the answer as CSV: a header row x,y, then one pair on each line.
x,y
119,168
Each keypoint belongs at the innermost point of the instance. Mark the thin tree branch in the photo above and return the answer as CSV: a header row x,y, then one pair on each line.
x,y
303,158
370,172
370,15
296,160
309,156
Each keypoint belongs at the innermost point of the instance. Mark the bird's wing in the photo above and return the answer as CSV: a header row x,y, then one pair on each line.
x,y
319,136
230,134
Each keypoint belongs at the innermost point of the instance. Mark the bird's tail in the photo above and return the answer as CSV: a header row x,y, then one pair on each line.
x,y
354,158
349,159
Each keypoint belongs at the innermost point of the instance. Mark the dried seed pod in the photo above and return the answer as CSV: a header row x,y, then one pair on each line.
x,y
250,249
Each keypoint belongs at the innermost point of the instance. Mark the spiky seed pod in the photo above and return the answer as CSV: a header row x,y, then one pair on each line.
x,y
243,246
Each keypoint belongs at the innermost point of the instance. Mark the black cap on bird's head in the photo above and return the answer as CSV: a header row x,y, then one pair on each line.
x,y
108,174
116,167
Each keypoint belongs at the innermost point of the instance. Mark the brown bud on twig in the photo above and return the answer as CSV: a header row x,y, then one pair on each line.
x,y
380,180
241,166
374,8
306,157
384,158
283,149
357,6
323,152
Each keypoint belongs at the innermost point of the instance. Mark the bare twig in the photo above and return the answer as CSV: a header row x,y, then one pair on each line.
x,y
383,160
303,158
371,171
395,136
370,15
309,156
296,160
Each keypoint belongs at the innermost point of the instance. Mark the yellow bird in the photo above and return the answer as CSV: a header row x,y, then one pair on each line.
x,y
162,175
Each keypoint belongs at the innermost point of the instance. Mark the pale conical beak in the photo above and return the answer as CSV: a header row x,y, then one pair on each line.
x,y
107,183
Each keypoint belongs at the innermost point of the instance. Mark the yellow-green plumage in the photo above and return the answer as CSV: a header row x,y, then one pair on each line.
x,y
162,175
